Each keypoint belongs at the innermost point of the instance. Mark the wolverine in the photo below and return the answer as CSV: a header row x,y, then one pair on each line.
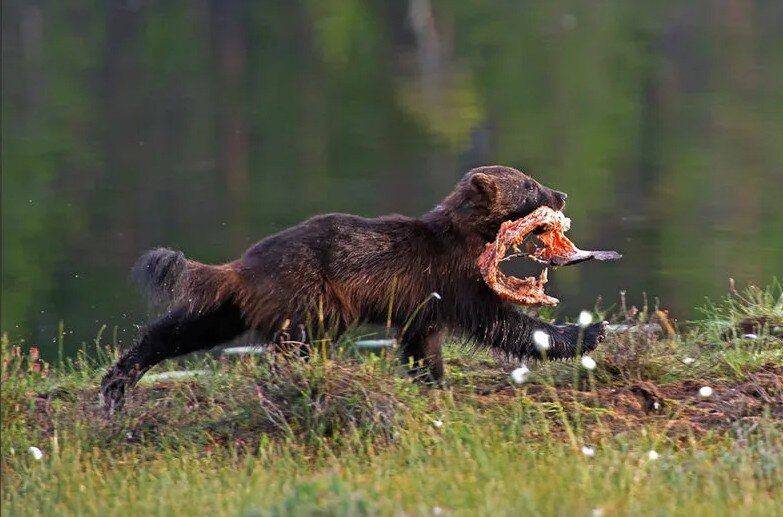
x,y
346,270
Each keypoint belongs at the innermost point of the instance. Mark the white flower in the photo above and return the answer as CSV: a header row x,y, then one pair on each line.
x,y
689,360
520,375
588,451
437,423
437,510
588,362
652,455
705,391
436,295
585,318
36,452
597,512
541,340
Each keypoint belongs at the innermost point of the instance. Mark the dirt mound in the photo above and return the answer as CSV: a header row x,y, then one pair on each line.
x,y
678,407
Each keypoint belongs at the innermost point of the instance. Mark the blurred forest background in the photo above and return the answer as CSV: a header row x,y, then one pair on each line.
x,y
206,125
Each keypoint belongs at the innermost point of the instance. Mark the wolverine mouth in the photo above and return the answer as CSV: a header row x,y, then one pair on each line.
x,y
540,236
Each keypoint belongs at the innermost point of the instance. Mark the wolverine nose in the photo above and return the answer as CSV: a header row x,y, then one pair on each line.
x,y
560,198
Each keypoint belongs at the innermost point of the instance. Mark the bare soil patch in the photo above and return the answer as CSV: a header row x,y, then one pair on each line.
x,y
677,406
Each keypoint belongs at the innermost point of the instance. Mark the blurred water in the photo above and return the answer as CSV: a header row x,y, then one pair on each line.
x,y
208,125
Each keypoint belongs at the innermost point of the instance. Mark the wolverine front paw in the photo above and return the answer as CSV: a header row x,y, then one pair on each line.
x,y
572,340
594,335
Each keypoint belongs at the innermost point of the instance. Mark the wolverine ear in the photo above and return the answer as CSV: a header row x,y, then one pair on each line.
x,y
483,189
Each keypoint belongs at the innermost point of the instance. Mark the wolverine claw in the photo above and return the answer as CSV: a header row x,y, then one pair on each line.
x,y
114,387
572,340
112,396
594,335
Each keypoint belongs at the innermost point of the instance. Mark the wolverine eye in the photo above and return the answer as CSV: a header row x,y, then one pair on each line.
x,y
531,187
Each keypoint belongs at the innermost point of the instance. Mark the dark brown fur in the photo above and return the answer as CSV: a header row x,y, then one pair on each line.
x,y
340,269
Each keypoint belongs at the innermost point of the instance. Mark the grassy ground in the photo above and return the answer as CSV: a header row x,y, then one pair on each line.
x,y
349,435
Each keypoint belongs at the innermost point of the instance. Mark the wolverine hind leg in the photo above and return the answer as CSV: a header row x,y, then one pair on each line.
x,y
291,340
423,349
178,332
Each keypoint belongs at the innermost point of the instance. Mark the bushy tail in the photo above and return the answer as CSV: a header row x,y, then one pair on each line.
x,y
171,279
158,272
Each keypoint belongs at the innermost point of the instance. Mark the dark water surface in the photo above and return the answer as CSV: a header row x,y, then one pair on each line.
x,y
206,125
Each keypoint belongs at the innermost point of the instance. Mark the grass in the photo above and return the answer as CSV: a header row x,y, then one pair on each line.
x,y
346,434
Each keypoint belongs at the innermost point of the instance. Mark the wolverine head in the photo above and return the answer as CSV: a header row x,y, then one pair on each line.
x,y
488,196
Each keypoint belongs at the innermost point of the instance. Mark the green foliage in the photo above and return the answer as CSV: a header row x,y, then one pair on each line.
x,y
756,311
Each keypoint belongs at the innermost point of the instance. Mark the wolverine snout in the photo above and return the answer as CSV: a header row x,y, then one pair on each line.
x,y
554,199
561,198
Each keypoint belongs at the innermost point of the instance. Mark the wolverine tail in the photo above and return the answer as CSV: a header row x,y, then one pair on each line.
x,y
171,279
158,271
